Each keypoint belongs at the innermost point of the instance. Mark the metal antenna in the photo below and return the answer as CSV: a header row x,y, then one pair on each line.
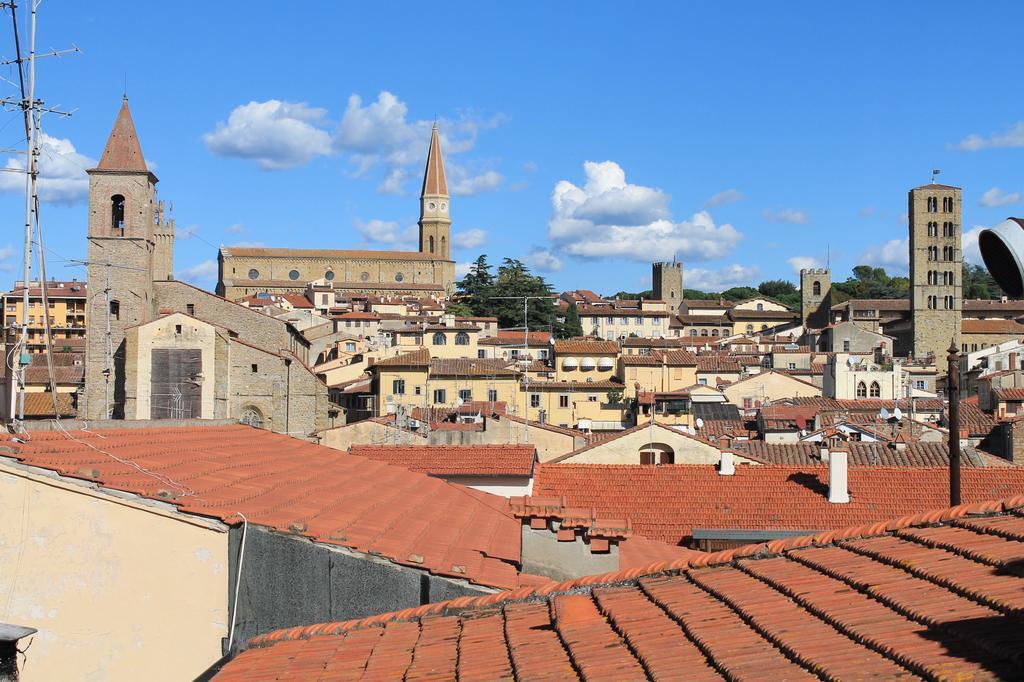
x,y
32,110
526,351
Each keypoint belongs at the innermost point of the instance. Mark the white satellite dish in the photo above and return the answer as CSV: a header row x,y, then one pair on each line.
x,y
699,423
897,413
852,361
690,430
884,414
459,402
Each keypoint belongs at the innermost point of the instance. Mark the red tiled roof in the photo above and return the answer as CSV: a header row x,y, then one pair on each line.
x,y
974,419
511,337
915,454
300,488
585,345
934,595
477,367
1008,393
718,363
123,151
39,405
667,502
455,460
417,358
969,326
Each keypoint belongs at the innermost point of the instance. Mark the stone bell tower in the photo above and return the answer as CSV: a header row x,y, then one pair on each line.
x,y
435,217
129,247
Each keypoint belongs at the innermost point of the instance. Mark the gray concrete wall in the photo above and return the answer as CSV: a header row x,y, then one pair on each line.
x,y
289,581
544,555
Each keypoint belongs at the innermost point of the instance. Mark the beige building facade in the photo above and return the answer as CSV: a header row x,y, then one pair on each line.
x,y
85,562
936,268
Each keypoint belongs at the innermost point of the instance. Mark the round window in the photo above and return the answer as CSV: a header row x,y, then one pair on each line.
x,y
293,275
365,276
399,277
329,275
432,206
254,274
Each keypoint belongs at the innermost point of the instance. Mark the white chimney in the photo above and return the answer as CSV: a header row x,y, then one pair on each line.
x,y
727,467
838,491
823,453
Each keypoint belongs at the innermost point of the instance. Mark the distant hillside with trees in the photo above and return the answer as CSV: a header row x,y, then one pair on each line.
x,y
865,282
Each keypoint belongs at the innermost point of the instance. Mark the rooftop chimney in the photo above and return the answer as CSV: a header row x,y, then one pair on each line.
x,y
823,453
1013,361
727,466
838,492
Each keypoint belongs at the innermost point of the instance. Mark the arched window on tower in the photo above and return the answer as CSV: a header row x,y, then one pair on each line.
x,y
462,339
117,213
444,246
115,310
430,242
876,390
440,339
862,390
816,289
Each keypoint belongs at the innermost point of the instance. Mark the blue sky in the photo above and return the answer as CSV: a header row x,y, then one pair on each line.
x,y
588,139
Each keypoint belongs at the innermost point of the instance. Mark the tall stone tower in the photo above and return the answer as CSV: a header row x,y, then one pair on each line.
x,y
435,220
936,269
815,297
667,279
123,257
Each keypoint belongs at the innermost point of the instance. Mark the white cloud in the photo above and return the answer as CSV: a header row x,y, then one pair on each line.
x,y
237,228
394,183
275,134
724,198
462,269
969,245
462,185
62,178
6,254
387,232
894,256
203,272
734,275
543,260
1014,137
997,197
785,215
799,263
380,133
866,212
469,239
609,217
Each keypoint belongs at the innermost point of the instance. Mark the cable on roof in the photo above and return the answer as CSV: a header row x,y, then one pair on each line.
x,y
186,491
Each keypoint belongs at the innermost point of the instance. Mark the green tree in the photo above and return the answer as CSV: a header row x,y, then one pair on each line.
x,y
572,325
978,283
459,309
632,296
475,289
514,281
780,290
740,293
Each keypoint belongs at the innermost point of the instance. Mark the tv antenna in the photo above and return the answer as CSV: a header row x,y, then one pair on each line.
x,y
32,110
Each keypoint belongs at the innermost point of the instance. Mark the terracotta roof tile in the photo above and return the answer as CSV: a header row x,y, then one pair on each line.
x,y
585,345
417,358
969,326
455,460
476,367
667,502
934,595
718,363
123,151
285,483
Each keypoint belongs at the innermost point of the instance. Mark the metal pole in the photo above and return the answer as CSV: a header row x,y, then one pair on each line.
x,y
953,389
30,168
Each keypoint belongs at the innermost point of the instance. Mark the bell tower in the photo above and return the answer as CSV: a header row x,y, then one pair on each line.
x,y
123,255
435,220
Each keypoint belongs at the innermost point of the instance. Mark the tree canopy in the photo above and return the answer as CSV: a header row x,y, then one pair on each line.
x,y
501,295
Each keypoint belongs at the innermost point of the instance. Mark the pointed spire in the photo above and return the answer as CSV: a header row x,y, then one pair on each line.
x,y
434,182
123,152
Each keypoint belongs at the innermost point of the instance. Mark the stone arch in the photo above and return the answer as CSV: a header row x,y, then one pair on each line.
x,y
657,453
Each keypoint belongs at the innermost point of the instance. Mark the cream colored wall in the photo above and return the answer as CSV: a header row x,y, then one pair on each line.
x,y
117,590
764,302
580,405
161,334
506,387
768,386
626,449
449,349
657,378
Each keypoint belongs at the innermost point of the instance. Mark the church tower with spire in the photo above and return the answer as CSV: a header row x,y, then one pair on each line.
x,y
130,245
435,220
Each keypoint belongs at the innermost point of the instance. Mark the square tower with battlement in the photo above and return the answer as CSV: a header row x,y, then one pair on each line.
x,y
667,283
815,297
936,268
